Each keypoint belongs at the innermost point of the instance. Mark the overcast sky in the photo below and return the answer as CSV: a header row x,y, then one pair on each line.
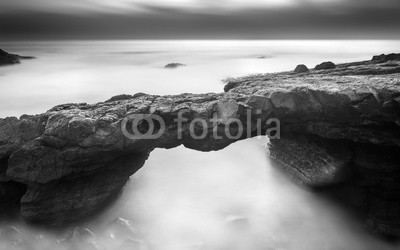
x,y
231,19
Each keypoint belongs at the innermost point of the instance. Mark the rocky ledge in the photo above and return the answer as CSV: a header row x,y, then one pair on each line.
x,y
7,58
338,127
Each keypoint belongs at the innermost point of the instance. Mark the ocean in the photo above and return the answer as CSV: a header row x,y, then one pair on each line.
x,y
235,198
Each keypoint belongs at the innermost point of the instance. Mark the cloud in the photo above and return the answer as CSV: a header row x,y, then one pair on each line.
x,y
176,19
211,6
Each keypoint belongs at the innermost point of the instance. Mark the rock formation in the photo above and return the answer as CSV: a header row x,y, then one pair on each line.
x,y
325,65
174,65
339,126
7,58
301,68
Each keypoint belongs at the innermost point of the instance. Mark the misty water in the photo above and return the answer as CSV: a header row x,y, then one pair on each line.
x,y
183,199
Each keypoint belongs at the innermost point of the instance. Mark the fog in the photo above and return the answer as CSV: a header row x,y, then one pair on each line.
x,y
93,71
231,199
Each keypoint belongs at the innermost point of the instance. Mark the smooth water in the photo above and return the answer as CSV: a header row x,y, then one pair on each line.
x,y
183,199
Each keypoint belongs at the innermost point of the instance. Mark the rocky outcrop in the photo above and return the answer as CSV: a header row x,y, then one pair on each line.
x,y
174,65
301,68
336,126
384,58
7,58
325,65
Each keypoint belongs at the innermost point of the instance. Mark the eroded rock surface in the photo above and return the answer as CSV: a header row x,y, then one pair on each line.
x,y
337,125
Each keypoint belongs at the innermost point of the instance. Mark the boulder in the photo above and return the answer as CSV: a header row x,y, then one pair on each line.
x,y
325,65
301,68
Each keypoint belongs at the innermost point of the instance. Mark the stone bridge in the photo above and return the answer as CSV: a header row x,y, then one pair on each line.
x,y
337,127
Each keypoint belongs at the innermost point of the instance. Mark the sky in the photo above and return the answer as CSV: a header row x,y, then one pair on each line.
x,y
198,19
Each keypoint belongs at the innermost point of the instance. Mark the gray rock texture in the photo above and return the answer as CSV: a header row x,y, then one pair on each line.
x,y
301,68
325,65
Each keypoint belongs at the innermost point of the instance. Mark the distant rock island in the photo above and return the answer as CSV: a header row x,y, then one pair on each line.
x,y
8,59
340,128
174,65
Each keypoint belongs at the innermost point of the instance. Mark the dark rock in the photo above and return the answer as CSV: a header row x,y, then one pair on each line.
x,y
384,58
125,97
231,85
301,68
82,195
325,65
174,65
313,161
7,58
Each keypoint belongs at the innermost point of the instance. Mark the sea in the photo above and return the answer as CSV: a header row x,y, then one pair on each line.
x,y
181,199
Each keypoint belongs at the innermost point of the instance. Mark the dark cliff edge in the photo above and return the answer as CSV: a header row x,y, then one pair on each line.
x,y
9,59
338,126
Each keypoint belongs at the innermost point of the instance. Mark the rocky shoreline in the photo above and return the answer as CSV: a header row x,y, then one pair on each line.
x,y
9,59
339,125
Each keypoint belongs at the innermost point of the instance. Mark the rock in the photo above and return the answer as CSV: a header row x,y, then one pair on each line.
x,y
80,195
301,68
124,97
312,161
384,58
336,126
174,65
230,85
325,65
7,58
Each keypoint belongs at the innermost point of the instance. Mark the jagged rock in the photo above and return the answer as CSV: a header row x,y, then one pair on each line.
x,y
80,195
301,68
7,58
72,160
325,65
124,97
313,161
384,58
174,65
